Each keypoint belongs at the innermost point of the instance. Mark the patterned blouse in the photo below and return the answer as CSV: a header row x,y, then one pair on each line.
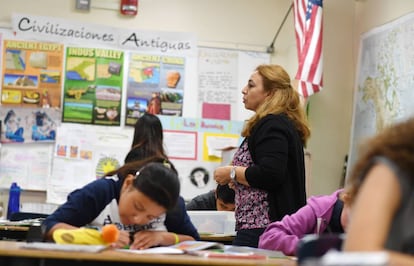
x,y
252,206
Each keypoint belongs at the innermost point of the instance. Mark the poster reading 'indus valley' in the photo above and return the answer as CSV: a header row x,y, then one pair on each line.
x,y
93,86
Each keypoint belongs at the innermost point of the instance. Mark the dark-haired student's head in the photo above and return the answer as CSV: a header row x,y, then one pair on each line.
x,y
225,198
150,188
148,139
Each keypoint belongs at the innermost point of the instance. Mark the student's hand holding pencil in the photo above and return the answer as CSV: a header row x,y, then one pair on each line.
x,y
123,240
147,239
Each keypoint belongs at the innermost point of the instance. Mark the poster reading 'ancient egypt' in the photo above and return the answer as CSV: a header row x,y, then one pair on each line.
x,y
155,85
93,86
32,74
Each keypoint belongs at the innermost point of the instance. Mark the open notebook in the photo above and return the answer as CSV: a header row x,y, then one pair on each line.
x,y
211,249
180,248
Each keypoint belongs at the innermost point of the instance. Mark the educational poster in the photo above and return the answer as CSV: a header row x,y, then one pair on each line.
x,y
222,73
384,85
217,81
155,85
196,146
84,153
181,144
28,165
215,143
93,86
25,125
32,73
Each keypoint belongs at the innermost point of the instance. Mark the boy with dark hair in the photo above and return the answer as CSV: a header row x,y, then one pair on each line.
x,y
219,199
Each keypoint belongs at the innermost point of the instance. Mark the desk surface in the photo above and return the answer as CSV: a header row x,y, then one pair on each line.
x,y
217,238
13,249
13,232
14,228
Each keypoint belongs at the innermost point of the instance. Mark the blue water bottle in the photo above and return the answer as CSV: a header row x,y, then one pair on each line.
x,y
14,200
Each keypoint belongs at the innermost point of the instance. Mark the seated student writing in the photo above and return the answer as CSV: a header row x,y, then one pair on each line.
x,y
321,214
140,199
381,190
219,199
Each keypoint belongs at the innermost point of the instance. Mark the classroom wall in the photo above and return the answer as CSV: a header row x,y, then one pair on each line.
x,y
330,112
385,11
370,14
251,25
216,23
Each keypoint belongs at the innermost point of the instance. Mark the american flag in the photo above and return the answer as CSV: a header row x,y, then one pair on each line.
x,y
308,29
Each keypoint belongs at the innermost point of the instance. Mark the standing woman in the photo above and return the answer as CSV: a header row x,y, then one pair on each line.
x,y
148,139
268,169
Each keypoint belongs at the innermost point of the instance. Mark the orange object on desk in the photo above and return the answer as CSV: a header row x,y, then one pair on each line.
x,y
110,233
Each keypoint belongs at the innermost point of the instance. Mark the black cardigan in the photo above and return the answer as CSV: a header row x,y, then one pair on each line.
x,y
279,168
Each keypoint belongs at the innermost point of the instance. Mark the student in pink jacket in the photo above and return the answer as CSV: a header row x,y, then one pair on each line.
x,y
321,214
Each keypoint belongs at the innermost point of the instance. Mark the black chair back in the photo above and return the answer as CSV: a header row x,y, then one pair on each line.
x,y
315,246
20,216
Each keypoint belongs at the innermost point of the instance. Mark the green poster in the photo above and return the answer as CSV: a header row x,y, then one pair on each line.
x,y
93,86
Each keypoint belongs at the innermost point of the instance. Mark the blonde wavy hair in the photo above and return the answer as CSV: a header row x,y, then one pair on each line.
x,y
283,98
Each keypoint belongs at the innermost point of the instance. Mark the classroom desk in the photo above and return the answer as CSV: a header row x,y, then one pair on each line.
x,y
222,238
11,254
13,232
23,230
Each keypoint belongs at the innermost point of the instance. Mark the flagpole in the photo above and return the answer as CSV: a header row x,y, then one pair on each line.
x,y
271,47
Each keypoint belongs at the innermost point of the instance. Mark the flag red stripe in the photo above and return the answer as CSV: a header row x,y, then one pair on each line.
x,y
309,54
300,13
312,55
317,52
309,47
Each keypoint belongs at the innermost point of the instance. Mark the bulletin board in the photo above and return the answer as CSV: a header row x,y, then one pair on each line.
x,y
222,73
78,153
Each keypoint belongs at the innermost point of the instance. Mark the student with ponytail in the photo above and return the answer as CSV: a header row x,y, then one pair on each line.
x,y
141,198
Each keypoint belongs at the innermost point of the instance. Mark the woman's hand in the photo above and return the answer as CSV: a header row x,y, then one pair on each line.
x,y
222,175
